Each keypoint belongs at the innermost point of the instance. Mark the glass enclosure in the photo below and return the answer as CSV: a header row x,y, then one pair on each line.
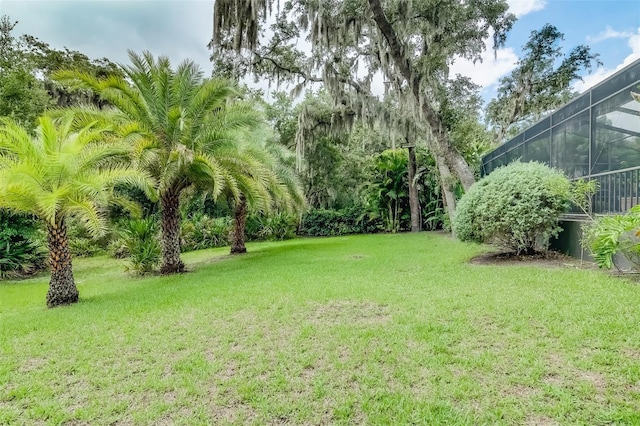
x,y
595,137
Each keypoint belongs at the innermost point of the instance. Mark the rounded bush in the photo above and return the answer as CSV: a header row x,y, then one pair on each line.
x,y
517,207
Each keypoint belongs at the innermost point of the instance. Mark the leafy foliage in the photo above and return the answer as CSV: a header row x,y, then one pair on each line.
x,y
276,226
140,238
517,207
188,128
21,248
200,231
387,191
607,236
350,220
66,170
410,43
538,84
26,65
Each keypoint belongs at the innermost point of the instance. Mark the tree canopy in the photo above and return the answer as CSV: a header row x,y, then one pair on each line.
x,y
540,82
410,44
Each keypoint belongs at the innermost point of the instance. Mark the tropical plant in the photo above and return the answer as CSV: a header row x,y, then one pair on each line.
x,y
200,231
140,240
276,226
388,191
517,207
606,236
188,123
265,181
61,172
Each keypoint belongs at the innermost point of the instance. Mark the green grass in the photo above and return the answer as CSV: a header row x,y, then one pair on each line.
x,y
382,329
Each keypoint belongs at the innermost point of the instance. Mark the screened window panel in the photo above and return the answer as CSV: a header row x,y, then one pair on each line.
x,y
570,141
515,154
616,134
538,148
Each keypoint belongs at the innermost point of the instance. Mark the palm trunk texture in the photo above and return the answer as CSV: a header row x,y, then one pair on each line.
x,y
171,262
239,224
62,286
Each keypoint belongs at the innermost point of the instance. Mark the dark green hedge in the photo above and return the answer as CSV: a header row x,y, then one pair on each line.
x,y
350,220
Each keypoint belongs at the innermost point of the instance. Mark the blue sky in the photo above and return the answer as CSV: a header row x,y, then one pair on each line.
x,y
181,29
610,27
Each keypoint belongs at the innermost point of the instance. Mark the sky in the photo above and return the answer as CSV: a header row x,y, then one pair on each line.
x,y
181,29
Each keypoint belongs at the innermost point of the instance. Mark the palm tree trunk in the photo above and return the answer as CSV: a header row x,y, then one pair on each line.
x,y
239,224
170,203
62,286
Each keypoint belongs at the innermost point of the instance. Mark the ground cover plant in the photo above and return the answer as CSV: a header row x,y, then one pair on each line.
x,y
369,329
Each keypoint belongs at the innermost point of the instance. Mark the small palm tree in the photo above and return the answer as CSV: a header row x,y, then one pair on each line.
x,y
63,171
265,182
189,123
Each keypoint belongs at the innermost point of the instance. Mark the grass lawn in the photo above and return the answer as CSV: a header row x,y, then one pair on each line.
x,y
379,329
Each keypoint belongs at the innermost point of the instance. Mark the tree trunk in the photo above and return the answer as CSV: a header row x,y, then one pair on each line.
x,y
455,162
62,286
414,201
239,224
447,182
170,203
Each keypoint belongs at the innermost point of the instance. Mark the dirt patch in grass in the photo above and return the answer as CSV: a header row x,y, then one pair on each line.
x,y
550,259
536,420
347,312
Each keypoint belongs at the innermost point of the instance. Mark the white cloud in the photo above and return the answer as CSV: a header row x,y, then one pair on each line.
x,y
524,7
497,64
602,73
489,71
607,34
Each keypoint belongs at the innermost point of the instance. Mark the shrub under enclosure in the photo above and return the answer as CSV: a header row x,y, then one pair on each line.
x,y
517,208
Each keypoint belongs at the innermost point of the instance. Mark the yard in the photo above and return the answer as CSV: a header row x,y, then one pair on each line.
x,y
377,329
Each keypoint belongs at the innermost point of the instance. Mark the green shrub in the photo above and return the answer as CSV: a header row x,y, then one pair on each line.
x,y
607,236
351,220
139,240
22,248
200,231
83,244
517,207
275,226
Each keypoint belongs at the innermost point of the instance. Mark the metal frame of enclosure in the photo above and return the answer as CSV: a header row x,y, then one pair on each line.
x,y
594,137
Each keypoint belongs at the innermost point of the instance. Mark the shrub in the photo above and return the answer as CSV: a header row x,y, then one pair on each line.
x,y
139,239
351,220
274,226
83,244
200,231
517,207
608,235
22,249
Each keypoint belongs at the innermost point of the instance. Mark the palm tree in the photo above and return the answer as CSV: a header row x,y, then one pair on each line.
x,y
265,182
64,170
189,124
